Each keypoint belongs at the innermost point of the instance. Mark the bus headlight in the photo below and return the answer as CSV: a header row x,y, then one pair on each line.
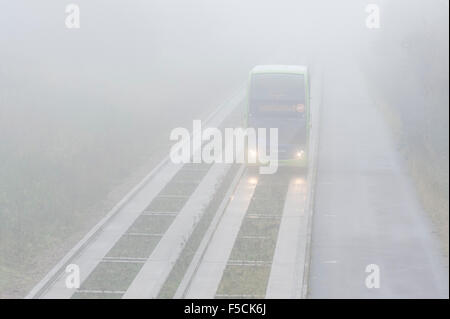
x,y
252,156
300,154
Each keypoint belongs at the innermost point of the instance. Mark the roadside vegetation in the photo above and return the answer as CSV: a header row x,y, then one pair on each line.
x,y
412,89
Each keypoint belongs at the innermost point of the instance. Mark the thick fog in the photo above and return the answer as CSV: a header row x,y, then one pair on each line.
x,y
86,113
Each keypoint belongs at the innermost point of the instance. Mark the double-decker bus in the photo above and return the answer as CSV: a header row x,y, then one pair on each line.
x,y
278,97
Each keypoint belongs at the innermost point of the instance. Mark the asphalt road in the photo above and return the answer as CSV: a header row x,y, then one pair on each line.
x,y
367,211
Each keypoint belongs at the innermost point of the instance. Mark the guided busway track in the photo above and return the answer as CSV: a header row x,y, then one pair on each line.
x,y
199,231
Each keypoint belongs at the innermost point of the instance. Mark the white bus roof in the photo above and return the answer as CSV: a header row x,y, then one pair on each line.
x,y
298,69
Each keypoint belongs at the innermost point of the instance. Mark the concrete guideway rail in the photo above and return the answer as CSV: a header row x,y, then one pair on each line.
x,y
156,269
193,266
207,278
291,235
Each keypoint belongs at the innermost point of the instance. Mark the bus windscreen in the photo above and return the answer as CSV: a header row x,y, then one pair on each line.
x,y
277,95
